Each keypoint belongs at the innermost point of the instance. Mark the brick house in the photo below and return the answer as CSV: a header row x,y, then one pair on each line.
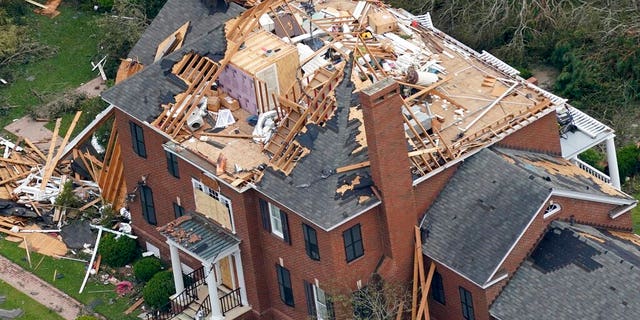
x,y
356,161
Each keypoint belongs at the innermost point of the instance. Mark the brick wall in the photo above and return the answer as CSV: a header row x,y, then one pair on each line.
x,y
334,274
452,309
587,212
540,136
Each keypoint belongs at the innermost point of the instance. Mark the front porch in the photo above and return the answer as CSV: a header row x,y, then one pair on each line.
x,y
217,289
580,132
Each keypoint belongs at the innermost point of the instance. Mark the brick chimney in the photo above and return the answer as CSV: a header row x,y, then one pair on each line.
x,y
390,170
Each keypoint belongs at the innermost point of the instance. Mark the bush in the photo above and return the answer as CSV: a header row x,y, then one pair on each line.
x,y
145,268
86,318
158,290
117,252
628,161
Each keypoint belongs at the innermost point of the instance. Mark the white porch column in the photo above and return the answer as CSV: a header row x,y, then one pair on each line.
x,y
177,268
216,311
240,274
612,160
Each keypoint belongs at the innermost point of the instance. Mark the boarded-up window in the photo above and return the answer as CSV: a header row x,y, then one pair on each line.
x,y
213,204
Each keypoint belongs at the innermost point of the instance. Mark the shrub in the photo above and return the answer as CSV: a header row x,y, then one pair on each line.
x,y
158,290
628,161
145,268
117,252
85,317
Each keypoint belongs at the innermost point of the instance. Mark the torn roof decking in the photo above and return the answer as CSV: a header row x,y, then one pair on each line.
x,y
471,104
466,225
173,15
596,269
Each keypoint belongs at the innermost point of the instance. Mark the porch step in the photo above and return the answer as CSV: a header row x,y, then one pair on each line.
x,y
183,316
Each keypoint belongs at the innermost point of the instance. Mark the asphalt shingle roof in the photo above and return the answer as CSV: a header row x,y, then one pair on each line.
x,y
309,190
172,16
604,288
481,212
142,95
560,174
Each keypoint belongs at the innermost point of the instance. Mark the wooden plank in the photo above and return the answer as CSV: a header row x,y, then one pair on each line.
x,y
134,306
423,310
50,154
22,162
37,4
227,135
14,178
89,204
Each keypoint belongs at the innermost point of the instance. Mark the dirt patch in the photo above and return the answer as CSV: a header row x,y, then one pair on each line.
x,y
34,131
92,88
546,76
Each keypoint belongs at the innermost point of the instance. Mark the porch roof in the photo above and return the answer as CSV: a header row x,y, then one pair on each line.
x,y
200,237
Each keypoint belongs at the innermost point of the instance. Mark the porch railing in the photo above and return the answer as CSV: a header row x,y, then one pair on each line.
x,y
174,307
230,301
181,301
195,278
205,307
592,171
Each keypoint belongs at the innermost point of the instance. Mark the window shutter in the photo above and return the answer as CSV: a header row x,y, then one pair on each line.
x,y
285,227
311,300
264,212
134,140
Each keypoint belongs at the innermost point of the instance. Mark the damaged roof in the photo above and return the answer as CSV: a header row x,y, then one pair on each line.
x,y
202,237
467,228
143,95
456,100
560,174
314,189
489,202
576,272
202,19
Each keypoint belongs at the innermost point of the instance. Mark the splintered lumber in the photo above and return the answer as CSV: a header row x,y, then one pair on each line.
x,y
35,149
353,166
52,163
52,146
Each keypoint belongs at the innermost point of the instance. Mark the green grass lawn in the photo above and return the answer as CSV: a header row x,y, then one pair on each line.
x,y
100,297
75,35
32,310
635,216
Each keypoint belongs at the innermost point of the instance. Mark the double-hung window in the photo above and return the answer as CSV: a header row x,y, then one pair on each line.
x,y
311,242
437,288
274,220
353,247
467,304
319,305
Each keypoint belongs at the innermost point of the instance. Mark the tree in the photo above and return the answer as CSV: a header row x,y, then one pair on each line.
x,y
122,30
378,299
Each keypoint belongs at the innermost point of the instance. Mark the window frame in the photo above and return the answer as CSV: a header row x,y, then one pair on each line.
x,y
466,302
137,139
197,184
284,285
148,206
551,209
311,245
437,289
351,244
172,164
275,218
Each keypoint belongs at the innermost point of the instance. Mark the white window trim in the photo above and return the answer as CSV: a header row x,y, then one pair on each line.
x,y
275,217
551,209
321,304
216,196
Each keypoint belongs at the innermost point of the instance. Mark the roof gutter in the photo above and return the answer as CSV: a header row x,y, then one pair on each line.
x,y
592,197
